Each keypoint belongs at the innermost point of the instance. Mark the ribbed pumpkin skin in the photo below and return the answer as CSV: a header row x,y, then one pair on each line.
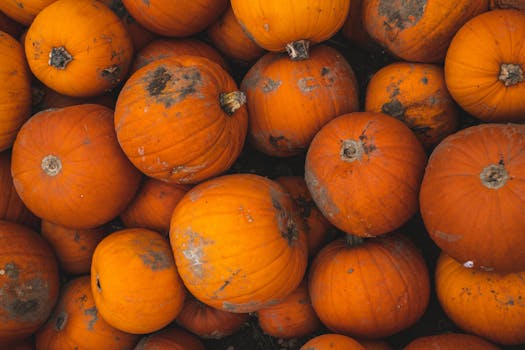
x,y
76,323
23,11
170,338
488,304
238,242
363,170
273,23
371,290
179,97
450,341
29,281
94,182
472,196
289,101
332,342
15,90
479,53
418,30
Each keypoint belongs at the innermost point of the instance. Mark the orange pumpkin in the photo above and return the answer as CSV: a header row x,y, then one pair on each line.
x,y
208,322
473,196
488,304
46,98
289,101
450,341
485,64
278,26
416,94
15,90
29,281
23,11
364,170
238,242
76,323
135,282
369,289
180,19
9,26
86,61
375,344
68,168
507,4
354,29
170,339
415,30
25,344
73,248
332,342
194,101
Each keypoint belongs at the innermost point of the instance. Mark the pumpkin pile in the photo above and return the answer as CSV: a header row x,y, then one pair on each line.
x,y
317,174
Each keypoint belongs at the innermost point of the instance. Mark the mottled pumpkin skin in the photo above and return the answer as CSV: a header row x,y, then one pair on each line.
x,y
485,65
332,342
76,323
450,341
23,11
29,281
472,197
364,170
418,30
371,290
170,338
289,101
238,242
488,304
416,94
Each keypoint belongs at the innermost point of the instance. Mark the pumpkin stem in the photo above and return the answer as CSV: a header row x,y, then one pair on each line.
x,y
352,150
61,321
353,240
59,57
494,176
51,165
232,101
510,74
298,50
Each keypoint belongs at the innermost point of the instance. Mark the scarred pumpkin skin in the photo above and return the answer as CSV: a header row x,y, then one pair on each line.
x,y
450,341
332,342
238,242
194,101
170,338
485,65
76,323
488,304
68,168
86,61
364,170
23,11
418,30
472,197
289,101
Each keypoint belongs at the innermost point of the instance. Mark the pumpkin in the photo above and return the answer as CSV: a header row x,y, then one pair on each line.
x,y
76,323
227,35
23,11
46,98
73,248
416,94
450,341
278,26
29,281
354,30
506,4
15,90
289,101
293,317
7,25
238,242
78,48
170,338
488,304
369,289
153,205
332,342
68,168
194,101
485,64
134,280
180,19
25,344
472,197
208,322
363,170
375,344
415,30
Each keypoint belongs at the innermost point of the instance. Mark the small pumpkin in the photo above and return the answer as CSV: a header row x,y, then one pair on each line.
x,y
332,342
23,11
76,323
450,341
485,65
170,338
86,61
364,170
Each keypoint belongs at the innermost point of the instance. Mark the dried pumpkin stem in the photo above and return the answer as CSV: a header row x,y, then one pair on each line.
x,y
494,176
51,165
232,101
61,321
59,57
298,50
510,74
351,150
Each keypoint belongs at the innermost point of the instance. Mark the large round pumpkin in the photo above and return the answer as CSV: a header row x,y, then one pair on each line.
x,y
23,11
332,342
450,341
181,119
68,168
238,242
363,170
473,197
485,65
